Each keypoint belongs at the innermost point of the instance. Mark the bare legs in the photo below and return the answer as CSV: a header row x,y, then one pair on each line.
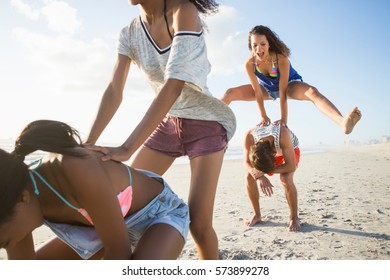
x,y
241,93
55,249
292,199
254,197
303,91
300,91
205,172
159,242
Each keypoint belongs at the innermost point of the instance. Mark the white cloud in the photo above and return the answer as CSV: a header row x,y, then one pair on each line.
x,y
226,44
68,63
61,17
64,63
65,75
26,9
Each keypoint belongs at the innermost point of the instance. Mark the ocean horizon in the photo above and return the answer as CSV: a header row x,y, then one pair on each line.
x,y
232,153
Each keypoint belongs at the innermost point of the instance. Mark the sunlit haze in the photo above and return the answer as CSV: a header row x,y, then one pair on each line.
x,y
57,58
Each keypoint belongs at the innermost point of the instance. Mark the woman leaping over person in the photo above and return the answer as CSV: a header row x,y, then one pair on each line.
x,y
271,76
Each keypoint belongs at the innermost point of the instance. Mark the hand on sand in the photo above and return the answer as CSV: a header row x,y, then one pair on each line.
x,y
294,226
252,221
351,120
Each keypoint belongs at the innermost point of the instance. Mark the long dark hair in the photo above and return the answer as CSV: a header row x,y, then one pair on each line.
x,y
262,157
205,7
275,44
49,136
13,180
44,135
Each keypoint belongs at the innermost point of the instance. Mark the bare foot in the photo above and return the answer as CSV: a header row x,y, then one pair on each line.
x,y
254,220
351,120
294,226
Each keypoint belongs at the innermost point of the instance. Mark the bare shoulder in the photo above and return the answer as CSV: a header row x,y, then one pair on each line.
x,y
185,16
74,167
249,63
284,136
248,137
284,131
283,60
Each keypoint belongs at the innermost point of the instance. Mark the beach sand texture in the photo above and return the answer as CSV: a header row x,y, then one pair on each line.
x,y
343,201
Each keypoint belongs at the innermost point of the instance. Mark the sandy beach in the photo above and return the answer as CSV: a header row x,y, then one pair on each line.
x,y
344,209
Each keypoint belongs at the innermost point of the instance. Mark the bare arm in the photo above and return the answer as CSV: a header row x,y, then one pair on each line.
x,y
154,115
185,18
265,184
287,151
112,98
248,143
256,88
284,72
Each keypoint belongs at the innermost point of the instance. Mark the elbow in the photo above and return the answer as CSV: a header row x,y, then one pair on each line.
x,y
175,87
114,92
292,168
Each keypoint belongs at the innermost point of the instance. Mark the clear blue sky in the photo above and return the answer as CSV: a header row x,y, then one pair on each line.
x,y
57,58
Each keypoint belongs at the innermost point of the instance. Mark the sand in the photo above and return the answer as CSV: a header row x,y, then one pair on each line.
x,y
343,201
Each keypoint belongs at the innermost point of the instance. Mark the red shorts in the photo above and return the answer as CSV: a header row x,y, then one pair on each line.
x,y
178,137
279,160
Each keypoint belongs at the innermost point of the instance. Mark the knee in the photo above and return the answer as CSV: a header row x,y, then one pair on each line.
x,y
228,95
287,180
313,94
200,230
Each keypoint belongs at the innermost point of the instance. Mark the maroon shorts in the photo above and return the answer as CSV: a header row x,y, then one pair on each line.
x,y
178,137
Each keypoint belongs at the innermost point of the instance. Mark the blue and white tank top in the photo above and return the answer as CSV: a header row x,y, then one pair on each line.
x,y
272,83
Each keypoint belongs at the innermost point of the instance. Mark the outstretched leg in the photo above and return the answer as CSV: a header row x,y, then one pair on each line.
x,y
292,199
241,93
254,198
303,91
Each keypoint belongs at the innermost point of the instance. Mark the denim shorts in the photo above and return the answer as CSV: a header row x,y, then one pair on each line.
x,y
165,208
179,136
275,94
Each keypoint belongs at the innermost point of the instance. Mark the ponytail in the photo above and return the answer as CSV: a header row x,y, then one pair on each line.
x,y
48,136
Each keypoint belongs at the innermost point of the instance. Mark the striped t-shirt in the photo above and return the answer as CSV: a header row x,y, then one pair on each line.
x,y
260,132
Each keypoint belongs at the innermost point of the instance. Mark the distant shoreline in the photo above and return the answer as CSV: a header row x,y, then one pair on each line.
x,y
233,152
